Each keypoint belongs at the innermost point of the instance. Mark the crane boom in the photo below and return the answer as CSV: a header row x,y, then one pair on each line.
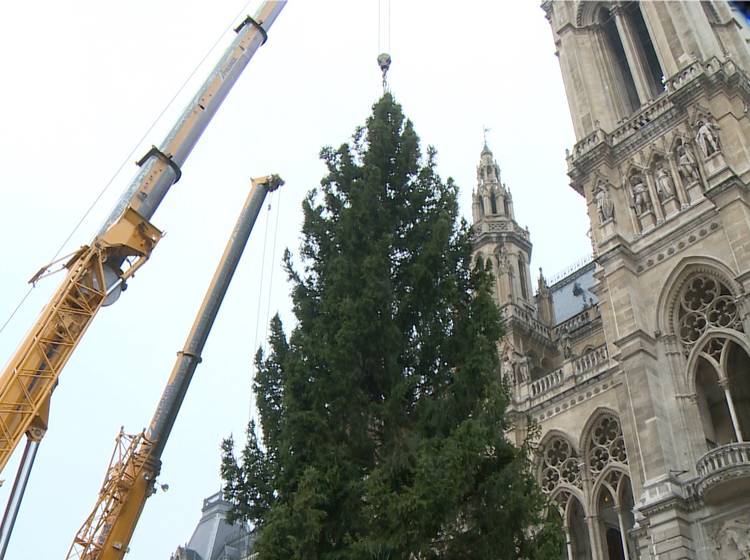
x,y
136,460
96,273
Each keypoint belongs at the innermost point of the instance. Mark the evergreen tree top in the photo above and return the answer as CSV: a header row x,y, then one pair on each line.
x,y
383,414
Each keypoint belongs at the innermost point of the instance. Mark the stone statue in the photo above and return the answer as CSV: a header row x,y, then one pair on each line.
x,y
524,371
686,166
565,344
604,204
707,138
641,199
664,184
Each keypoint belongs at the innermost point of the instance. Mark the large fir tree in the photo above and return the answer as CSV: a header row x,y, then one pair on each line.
x,y
383,415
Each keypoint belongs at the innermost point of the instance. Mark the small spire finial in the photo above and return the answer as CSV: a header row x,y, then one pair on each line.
x,y
485,130
384,61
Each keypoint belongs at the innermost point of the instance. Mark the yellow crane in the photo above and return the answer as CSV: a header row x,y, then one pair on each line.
x,y
96,274
136,460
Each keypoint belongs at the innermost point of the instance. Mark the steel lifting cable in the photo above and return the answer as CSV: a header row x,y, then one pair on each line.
x,y
384,59
273,261
258,308
262,277
129,157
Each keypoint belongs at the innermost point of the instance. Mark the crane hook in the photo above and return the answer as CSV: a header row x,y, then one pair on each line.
x,y
384,61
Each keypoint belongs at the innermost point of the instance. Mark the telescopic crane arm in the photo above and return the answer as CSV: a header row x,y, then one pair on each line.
x,y
136,461
97,272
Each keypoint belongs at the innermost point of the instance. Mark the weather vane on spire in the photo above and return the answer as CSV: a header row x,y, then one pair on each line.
x,y
485,130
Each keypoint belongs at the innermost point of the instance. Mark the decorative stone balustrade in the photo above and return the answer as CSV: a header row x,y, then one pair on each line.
x,y
577,370
583,318
684,76
648,113
512,312
724,471
591,359
544,384
587,144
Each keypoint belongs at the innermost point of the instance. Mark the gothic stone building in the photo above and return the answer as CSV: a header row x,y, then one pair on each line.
x,y
636,366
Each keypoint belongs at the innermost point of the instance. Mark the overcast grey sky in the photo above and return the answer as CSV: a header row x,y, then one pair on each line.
x,y
84,80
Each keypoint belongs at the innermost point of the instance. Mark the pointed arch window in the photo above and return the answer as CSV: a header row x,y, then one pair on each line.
x,y
522,277
634,69
618,63
722,391
646,53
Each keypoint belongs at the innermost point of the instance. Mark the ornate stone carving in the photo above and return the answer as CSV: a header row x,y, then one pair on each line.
x,y
707,137
732,539
560,465
604,205
705,302
508,365
664,184
565,344
503,260
686,166
606,444
639,193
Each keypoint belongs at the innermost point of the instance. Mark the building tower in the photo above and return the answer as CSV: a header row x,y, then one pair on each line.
x,y
647,452
504,247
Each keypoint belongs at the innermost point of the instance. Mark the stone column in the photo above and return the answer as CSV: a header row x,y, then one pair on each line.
x,y
591,525
724,384
568,543
590,520
623,533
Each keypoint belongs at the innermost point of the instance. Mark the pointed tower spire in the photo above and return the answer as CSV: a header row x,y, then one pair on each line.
x,y
491,199
546,311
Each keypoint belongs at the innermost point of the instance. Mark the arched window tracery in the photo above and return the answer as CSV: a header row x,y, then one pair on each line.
x,y
607,462
605,497
606,445
705,302
560,465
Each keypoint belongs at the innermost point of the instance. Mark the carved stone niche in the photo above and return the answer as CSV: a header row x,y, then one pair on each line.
x,y
731,539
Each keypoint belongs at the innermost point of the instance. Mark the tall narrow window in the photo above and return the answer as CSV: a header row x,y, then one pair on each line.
x,y
618,61
493,202
647,54
506,206
522,277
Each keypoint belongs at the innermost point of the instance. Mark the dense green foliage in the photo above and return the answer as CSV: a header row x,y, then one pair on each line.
x,y
383,415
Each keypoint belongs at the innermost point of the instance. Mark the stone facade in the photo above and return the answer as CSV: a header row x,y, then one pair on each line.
x,y
636,365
